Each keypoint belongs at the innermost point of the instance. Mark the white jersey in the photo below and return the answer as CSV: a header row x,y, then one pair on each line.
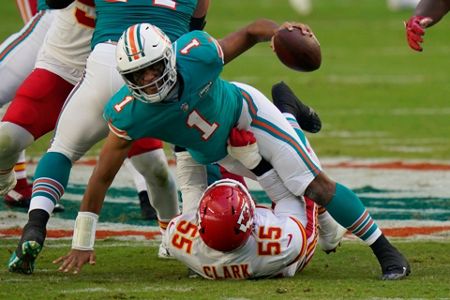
x,y
277,247
67,43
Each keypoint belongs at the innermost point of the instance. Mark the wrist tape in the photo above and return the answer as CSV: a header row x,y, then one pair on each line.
x,y
84,231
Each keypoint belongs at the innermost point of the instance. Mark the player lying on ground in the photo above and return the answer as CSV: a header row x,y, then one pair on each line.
x,y
176,94
228,238
426,14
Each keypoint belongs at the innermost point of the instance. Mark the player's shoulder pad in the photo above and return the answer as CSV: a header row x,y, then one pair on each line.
x,y
198,44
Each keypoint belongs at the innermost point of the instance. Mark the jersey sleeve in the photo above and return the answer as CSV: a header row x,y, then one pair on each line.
x,y
199,59
112,110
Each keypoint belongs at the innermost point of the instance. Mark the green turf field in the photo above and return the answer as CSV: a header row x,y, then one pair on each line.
x,y
131,271
377,98
127,270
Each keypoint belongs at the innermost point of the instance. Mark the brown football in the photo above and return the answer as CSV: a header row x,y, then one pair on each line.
x,y
297,51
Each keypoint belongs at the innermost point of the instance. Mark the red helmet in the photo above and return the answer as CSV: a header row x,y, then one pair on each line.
x,y
226,215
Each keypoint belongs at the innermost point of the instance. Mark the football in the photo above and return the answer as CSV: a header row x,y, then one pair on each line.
x,y
297,51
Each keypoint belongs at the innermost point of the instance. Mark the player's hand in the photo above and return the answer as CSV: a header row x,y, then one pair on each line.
x,y
75,260
243,147
304,29
415,30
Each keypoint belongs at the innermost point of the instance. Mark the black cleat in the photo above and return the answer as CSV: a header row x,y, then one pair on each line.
x,y
286,101
30,245
394,265
147,210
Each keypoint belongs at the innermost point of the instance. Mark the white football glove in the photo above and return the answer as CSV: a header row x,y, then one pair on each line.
x,y
243,147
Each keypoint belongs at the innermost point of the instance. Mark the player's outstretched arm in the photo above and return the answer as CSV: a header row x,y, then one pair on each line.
x,y
112,155
259,31
426,14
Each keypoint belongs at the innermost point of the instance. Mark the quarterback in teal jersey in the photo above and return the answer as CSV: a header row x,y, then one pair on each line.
x,y
175,93
206,97
77,132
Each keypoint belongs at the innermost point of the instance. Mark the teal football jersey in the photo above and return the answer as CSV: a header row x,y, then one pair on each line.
x,y
204,113
115,16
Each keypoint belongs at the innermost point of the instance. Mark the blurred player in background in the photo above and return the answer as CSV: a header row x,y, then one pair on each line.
x,y
27,9
77,132
426,14
164,94
18,55
304,7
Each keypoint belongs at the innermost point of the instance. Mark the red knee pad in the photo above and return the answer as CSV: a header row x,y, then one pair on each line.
x,y
38,102
144,145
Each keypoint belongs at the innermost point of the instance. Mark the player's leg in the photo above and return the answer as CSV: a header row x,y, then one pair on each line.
x,y
147,210
80,126
348,210
18,54
149,159
21,194
192,179
284,97
32,113
330,232
301,172
17,58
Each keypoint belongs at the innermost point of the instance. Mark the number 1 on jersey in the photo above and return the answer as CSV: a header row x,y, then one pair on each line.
x,y
197,121
166,3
